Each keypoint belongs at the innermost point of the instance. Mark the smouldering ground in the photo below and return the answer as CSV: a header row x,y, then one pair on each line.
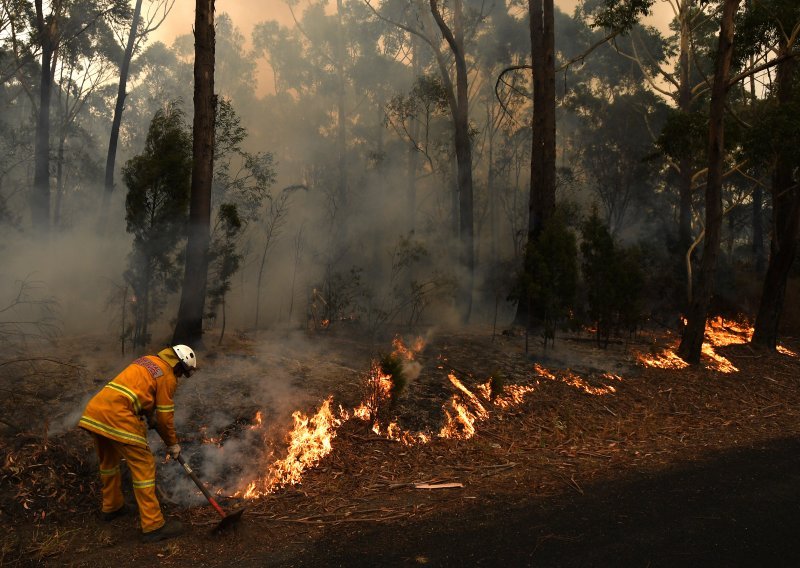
x,y
584,439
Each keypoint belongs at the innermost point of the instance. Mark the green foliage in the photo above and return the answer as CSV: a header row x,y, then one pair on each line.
x,y
241,184
224,257
613,279
550,276
684,135
156,209
618,15
763,25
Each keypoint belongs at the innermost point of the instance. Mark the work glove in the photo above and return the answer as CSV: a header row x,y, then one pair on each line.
x,y
174,451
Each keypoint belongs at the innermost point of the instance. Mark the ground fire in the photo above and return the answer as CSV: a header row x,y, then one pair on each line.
x,y
311,437
719,333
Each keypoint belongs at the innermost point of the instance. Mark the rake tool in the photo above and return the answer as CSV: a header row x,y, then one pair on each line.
x,y
228,519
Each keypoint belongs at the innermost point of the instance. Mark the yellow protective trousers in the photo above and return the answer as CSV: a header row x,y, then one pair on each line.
x,y
143,471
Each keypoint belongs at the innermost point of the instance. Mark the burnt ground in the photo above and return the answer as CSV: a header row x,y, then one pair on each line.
x,y
674,467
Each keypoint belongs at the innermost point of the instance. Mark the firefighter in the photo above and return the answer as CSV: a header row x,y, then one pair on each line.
x,y
118,417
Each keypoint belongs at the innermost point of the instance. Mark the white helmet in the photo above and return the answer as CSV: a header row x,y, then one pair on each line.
x,y
187,358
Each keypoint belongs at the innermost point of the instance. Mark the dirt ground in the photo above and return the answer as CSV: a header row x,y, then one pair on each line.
x,y
605,462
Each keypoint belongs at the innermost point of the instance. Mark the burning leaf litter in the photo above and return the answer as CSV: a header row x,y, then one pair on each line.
x,y
311,438
719,333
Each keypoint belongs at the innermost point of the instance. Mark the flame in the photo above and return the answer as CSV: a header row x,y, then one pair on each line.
x,y
719,332
309,442
408,353
462,411
205,439
311,438
785,351
665,359
575,380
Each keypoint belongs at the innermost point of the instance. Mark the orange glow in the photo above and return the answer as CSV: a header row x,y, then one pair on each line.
x,y
575,380
205,439
309,442
665,359
311,437
719,332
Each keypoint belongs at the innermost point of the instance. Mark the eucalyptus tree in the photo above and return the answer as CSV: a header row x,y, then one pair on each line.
x,y
242,182
140,27
51,31
86,67
694,332
189,327
770,31
446,29
616,17
159,184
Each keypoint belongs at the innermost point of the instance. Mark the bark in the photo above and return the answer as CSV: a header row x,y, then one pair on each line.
x,y
341,127
684,106
785,228
459,108
758,230
758,205
694,332
412,164
542,201
40,199
60,181
189,327
124,71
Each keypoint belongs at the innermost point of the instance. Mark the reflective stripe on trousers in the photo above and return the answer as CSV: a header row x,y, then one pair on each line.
x,y
143,471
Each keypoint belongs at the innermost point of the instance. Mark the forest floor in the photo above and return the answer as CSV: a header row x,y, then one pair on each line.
x,y
605,461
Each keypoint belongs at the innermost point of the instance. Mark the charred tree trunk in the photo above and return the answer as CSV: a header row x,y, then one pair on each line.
x,y
542,200
785,227
459,108
124,71
189,328
40,199
694,332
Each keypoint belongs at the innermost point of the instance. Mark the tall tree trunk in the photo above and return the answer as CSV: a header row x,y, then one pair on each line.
x,y
40,199
491,192
684,106
111,156
60,175
785,228
341,126
757,245
412,163
459,107
189,328
758,203
547,198
694,332
542,201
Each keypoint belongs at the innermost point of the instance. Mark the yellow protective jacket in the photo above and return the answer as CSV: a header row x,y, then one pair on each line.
x,y
145,388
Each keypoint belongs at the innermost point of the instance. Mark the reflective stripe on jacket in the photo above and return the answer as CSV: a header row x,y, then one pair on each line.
x,y
144,387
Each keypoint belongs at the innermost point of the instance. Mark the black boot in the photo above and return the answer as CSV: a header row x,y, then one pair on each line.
x,y
109,516
171,528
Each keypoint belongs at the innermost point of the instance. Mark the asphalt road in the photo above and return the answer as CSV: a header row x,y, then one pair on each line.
x,y
741,508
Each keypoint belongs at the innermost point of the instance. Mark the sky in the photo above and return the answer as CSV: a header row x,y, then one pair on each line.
x,y
245,14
